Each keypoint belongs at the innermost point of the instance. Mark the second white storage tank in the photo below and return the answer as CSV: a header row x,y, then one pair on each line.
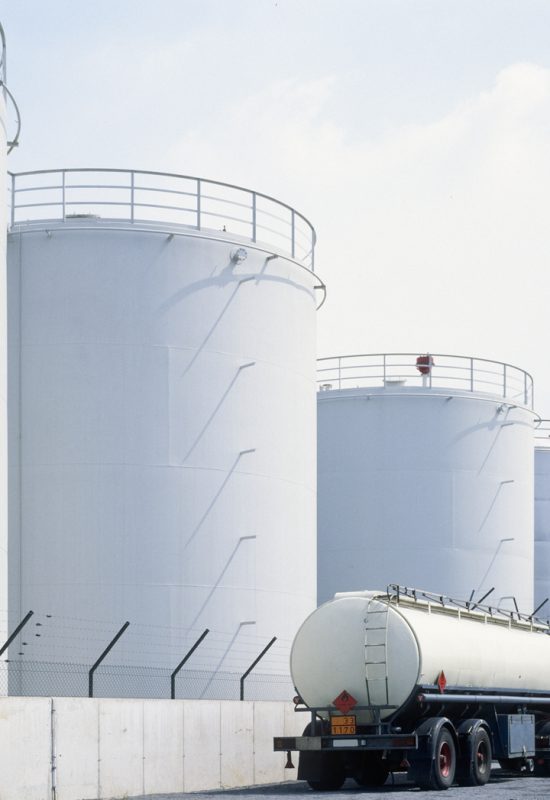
x,y
425,476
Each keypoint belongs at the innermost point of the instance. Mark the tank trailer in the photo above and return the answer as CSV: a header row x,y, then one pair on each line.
x,y
409,681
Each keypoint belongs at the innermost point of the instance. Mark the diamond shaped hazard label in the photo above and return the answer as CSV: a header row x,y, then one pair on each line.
x,y
441,681
344,702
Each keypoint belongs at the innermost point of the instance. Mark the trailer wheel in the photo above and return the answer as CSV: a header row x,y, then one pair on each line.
x,y
476,765
330,783
373,771
439,773
324,772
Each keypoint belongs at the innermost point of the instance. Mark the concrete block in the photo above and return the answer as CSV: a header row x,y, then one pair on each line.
x,y
268,765
201,743
25,753
237,743
120,748
76,747
163,746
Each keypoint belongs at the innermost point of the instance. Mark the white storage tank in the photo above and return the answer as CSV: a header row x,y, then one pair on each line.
x,y
3,351
542,519
425,476
163,439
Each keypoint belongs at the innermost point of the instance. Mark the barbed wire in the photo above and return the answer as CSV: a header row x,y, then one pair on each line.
x,y
53,653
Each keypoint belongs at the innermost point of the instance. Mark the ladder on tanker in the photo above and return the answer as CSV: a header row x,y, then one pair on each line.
x,y
376,644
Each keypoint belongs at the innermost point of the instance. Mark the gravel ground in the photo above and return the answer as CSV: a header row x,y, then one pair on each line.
x,y
500,787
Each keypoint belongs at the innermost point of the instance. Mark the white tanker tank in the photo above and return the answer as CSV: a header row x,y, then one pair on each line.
x,y
408,680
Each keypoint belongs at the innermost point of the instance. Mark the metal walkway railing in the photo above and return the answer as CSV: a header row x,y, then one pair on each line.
x,y
429,370
155,197
7,94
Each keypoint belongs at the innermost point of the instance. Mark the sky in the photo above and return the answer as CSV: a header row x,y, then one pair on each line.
x,y
414,134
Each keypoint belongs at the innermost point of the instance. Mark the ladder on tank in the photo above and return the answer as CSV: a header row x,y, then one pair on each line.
x,y
376,643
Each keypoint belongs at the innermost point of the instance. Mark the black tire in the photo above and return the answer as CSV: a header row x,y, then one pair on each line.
x,y
328,784
439,773
327,767
372,772
476,763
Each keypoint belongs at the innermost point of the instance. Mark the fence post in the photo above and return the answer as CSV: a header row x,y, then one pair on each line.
x,y
19,628
183,661
101,657
251,667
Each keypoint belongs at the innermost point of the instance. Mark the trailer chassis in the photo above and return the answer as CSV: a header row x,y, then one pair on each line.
x,y
456,735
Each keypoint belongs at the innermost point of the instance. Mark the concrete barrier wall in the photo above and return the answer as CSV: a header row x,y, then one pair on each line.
x,y
83,749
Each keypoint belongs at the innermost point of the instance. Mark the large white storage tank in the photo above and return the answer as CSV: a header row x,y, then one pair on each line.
x,y
3,351
542,517
425,476
163,440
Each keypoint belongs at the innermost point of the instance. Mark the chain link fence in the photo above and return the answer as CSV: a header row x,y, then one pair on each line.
x,y
141,660
36,678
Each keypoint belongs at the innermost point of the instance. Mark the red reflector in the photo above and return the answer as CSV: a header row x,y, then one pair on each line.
x,y
441,681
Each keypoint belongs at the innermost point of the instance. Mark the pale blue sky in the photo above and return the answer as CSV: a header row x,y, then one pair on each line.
x,y
413,133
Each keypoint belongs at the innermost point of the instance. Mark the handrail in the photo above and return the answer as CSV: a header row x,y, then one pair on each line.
x,y
246,210
429,371
3,56
476,608
542,433
15,141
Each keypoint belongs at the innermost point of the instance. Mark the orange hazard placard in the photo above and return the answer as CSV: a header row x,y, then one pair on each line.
x,y
344,702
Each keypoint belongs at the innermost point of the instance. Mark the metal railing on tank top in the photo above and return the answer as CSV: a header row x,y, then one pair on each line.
x,y
426,370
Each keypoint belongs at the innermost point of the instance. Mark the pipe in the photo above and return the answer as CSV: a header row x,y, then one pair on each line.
x,y
479,699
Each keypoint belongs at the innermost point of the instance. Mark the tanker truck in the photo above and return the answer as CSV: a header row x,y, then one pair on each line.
x,y
405,680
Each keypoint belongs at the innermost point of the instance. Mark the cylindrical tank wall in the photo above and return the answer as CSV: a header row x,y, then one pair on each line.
x,y
163,440
427,490
542,526
3,377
